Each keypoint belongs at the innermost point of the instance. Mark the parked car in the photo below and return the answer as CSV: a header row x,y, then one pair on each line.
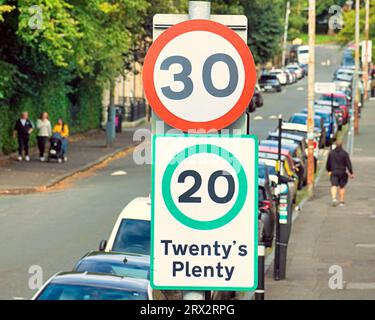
x,y
288,175
344,72
290,77
301,118
87,286
269,82
132,230
289,137
339,113
297,69
257,100
280,74
300,129
330,123
341,100
267,211
298,156
117,263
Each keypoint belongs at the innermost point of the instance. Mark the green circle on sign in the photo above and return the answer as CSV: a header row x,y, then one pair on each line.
x,y
177,213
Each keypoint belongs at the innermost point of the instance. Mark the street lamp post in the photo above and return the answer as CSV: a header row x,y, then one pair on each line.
x,y
286,32
366,55
311,97
356,100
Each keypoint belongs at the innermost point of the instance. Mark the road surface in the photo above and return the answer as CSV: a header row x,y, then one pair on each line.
x,y
54,229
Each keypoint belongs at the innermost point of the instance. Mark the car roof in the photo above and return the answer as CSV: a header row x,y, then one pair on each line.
x,y
286,135
294,126
326,103
273,150
319,110
269,156
117,257
137,209
304,115
284,145
100,280
336,95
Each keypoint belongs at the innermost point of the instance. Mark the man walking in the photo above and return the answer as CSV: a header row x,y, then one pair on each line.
x,y
338,167
23,129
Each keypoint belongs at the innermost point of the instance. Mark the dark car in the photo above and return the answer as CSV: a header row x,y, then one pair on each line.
x,y
330,123
301,140
301,118
268,82
86,286
267,211
298,155
257,97
116,263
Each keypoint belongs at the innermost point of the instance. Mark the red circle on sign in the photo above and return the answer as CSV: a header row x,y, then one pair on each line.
x,y
199,25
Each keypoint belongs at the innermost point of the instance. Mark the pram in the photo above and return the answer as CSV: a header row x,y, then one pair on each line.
x,y
55,150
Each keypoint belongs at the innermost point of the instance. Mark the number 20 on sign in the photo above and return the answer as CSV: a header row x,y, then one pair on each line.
x,y
204,213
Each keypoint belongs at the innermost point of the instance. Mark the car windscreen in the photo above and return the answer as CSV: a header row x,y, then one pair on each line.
x,y
298,119
124,269
268,77
326,117
303,120
85,292
133,236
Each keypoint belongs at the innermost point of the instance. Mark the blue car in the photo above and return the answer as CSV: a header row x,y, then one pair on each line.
x,y
330,124
301,118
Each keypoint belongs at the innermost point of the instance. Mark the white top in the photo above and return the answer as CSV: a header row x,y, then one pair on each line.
x,y
44,128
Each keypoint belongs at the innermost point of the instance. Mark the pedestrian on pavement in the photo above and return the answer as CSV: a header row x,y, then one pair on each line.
x,y
63,129
338,167
22,130
44,133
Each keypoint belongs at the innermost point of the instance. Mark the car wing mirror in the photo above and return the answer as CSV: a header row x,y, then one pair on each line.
x,y
102,245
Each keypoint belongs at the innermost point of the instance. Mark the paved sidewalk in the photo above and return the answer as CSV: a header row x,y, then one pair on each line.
x,y
323,236
23,177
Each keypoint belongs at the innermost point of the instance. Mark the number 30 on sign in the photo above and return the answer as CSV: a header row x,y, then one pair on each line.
x,y
198,75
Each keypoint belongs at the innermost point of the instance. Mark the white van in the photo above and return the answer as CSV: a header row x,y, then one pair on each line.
x,y
303,55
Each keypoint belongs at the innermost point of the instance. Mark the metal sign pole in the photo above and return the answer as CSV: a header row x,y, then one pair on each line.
x,y
199,10
276,271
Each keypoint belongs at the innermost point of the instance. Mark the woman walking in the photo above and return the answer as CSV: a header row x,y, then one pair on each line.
x,y
44,132
62,129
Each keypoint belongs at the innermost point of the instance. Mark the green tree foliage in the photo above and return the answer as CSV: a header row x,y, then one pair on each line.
x,y
59,55
347,34
265,27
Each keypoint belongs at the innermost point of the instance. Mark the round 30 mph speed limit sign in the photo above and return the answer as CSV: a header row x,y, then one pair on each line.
x,y
199,75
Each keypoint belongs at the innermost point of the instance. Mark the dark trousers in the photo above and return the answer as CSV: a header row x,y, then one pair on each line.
x,y
42,141
23,144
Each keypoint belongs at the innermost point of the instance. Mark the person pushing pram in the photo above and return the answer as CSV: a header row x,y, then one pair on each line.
x,y
59,141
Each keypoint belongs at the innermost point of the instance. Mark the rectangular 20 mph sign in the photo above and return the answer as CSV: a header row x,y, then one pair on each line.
x,y
204,212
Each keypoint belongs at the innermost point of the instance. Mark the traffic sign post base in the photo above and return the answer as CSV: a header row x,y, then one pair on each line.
x,y
259,293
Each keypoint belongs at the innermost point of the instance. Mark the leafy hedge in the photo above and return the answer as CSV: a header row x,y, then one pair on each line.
x,y
56,97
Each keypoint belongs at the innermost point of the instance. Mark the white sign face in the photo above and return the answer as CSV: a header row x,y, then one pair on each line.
x,y
204,213
369,51
325,87
185,100
198,75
